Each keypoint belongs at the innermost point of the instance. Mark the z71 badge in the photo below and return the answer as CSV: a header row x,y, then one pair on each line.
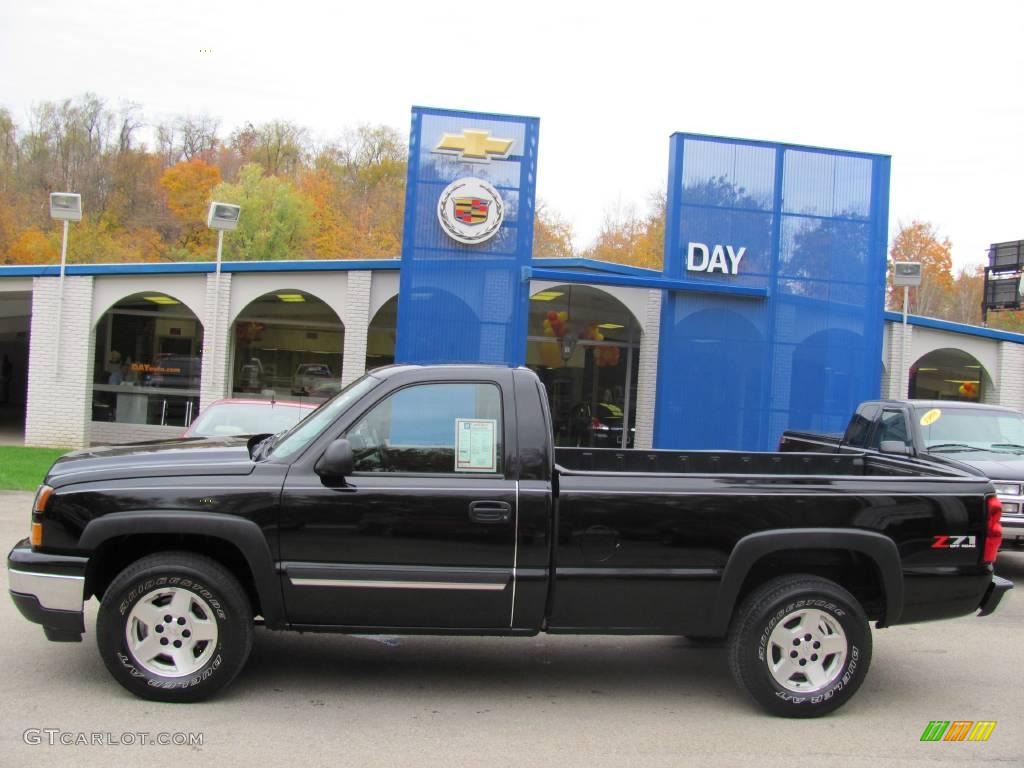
x,y
954,542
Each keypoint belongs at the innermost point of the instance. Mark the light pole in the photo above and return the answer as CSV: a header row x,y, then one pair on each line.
x,y
222,217
908,275
66,207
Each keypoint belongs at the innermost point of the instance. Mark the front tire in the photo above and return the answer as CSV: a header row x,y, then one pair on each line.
x,y
800,645
174,627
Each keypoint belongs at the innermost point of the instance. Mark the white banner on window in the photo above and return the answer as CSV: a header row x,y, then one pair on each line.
x,y
476,449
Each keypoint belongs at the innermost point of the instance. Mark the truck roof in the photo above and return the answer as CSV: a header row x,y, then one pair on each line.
x,y
946,404
387,371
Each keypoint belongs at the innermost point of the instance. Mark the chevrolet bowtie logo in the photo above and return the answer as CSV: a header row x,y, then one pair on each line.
x,y
474,146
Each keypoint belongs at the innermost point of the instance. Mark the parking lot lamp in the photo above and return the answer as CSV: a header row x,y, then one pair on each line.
x,y
66,207
222,217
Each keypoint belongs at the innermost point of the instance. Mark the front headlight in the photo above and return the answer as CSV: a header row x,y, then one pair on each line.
x,y
43,494
1007,489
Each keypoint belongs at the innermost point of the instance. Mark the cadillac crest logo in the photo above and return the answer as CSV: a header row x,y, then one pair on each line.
x,y
470,211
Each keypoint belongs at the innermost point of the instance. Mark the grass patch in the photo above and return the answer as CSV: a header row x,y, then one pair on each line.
x,y
22,469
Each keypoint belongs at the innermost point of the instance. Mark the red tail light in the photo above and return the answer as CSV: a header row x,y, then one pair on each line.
x,y
596,423
994,530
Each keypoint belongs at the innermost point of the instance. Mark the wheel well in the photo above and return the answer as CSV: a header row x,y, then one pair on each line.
x,y
117,553
854,571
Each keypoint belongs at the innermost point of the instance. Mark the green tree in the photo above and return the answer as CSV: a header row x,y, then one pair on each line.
x,y
276,219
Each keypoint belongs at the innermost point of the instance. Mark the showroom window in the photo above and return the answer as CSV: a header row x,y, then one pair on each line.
x,y
288,346
148,364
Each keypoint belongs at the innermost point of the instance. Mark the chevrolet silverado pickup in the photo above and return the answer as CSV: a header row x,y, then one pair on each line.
x,y
986,440
430,499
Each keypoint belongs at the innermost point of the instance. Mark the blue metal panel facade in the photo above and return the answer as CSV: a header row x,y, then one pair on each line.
x,y
734,372
466,303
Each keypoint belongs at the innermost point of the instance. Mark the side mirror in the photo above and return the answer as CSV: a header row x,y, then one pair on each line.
x,y
337,461
897,447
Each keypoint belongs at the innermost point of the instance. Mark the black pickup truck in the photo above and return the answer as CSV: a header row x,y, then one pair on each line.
x,y
986,440
430,500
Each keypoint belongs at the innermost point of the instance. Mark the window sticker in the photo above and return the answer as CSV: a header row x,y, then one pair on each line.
x,y
476,449
930,417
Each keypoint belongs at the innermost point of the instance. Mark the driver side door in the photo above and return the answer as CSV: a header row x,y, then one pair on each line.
x,y
421,534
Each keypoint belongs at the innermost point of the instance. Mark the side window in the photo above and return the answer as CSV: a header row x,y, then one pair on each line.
x,y
892,426
434,428
857,432
860,426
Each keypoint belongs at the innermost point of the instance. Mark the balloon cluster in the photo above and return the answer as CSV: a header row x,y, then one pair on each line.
x,y
605,357
556,325
969,389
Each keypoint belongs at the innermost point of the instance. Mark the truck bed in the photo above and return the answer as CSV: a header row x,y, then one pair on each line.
x,y
603,460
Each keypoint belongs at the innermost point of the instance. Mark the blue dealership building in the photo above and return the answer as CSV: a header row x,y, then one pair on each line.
x,y
767,315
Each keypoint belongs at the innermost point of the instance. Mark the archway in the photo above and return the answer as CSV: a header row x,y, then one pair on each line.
x,y
711,380
584,344
826,381
381,334
148,362
15,331
287,344
458,341
948,374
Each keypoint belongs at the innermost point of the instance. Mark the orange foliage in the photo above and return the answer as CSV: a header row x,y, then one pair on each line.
x,y
188,185
32,247
332,232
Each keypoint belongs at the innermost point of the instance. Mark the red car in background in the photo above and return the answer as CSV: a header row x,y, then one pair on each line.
x,y
224,418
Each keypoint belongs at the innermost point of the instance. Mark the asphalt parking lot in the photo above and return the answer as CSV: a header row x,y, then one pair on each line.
x,y
323,700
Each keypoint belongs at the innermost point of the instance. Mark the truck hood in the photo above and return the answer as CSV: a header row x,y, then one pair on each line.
x,y
994,465
165,458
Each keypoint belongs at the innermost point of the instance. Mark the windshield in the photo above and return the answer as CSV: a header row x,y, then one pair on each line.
x,y
246,419
303,433
959,428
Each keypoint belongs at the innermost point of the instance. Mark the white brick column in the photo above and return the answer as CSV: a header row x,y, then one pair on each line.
x,y
59,408
896,381
357,325
215,381
647,375
1008,378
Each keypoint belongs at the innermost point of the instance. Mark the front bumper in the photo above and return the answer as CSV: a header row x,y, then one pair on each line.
x,y
996,589
48,590
1012,519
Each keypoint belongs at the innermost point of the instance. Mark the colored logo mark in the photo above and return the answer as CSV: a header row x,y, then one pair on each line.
x,y
471,210
474,146
958,730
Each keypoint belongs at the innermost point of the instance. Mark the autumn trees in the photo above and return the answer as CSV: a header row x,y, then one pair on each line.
x,y
146,186
942,293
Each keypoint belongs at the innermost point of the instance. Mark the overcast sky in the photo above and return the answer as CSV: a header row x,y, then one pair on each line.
x,y
937,85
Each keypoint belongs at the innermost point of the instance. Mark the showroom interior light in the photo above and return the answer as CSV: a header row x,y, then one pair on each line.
x,y
162,300
611,326
546,295
292,298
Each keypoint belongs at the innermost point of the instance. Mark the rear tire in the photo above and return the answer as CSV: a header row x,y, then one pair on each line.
x,y
800,645
174,627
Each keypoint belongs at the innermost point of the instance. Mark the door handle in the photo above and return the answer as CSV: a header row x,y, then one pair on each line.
x,y
490,511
